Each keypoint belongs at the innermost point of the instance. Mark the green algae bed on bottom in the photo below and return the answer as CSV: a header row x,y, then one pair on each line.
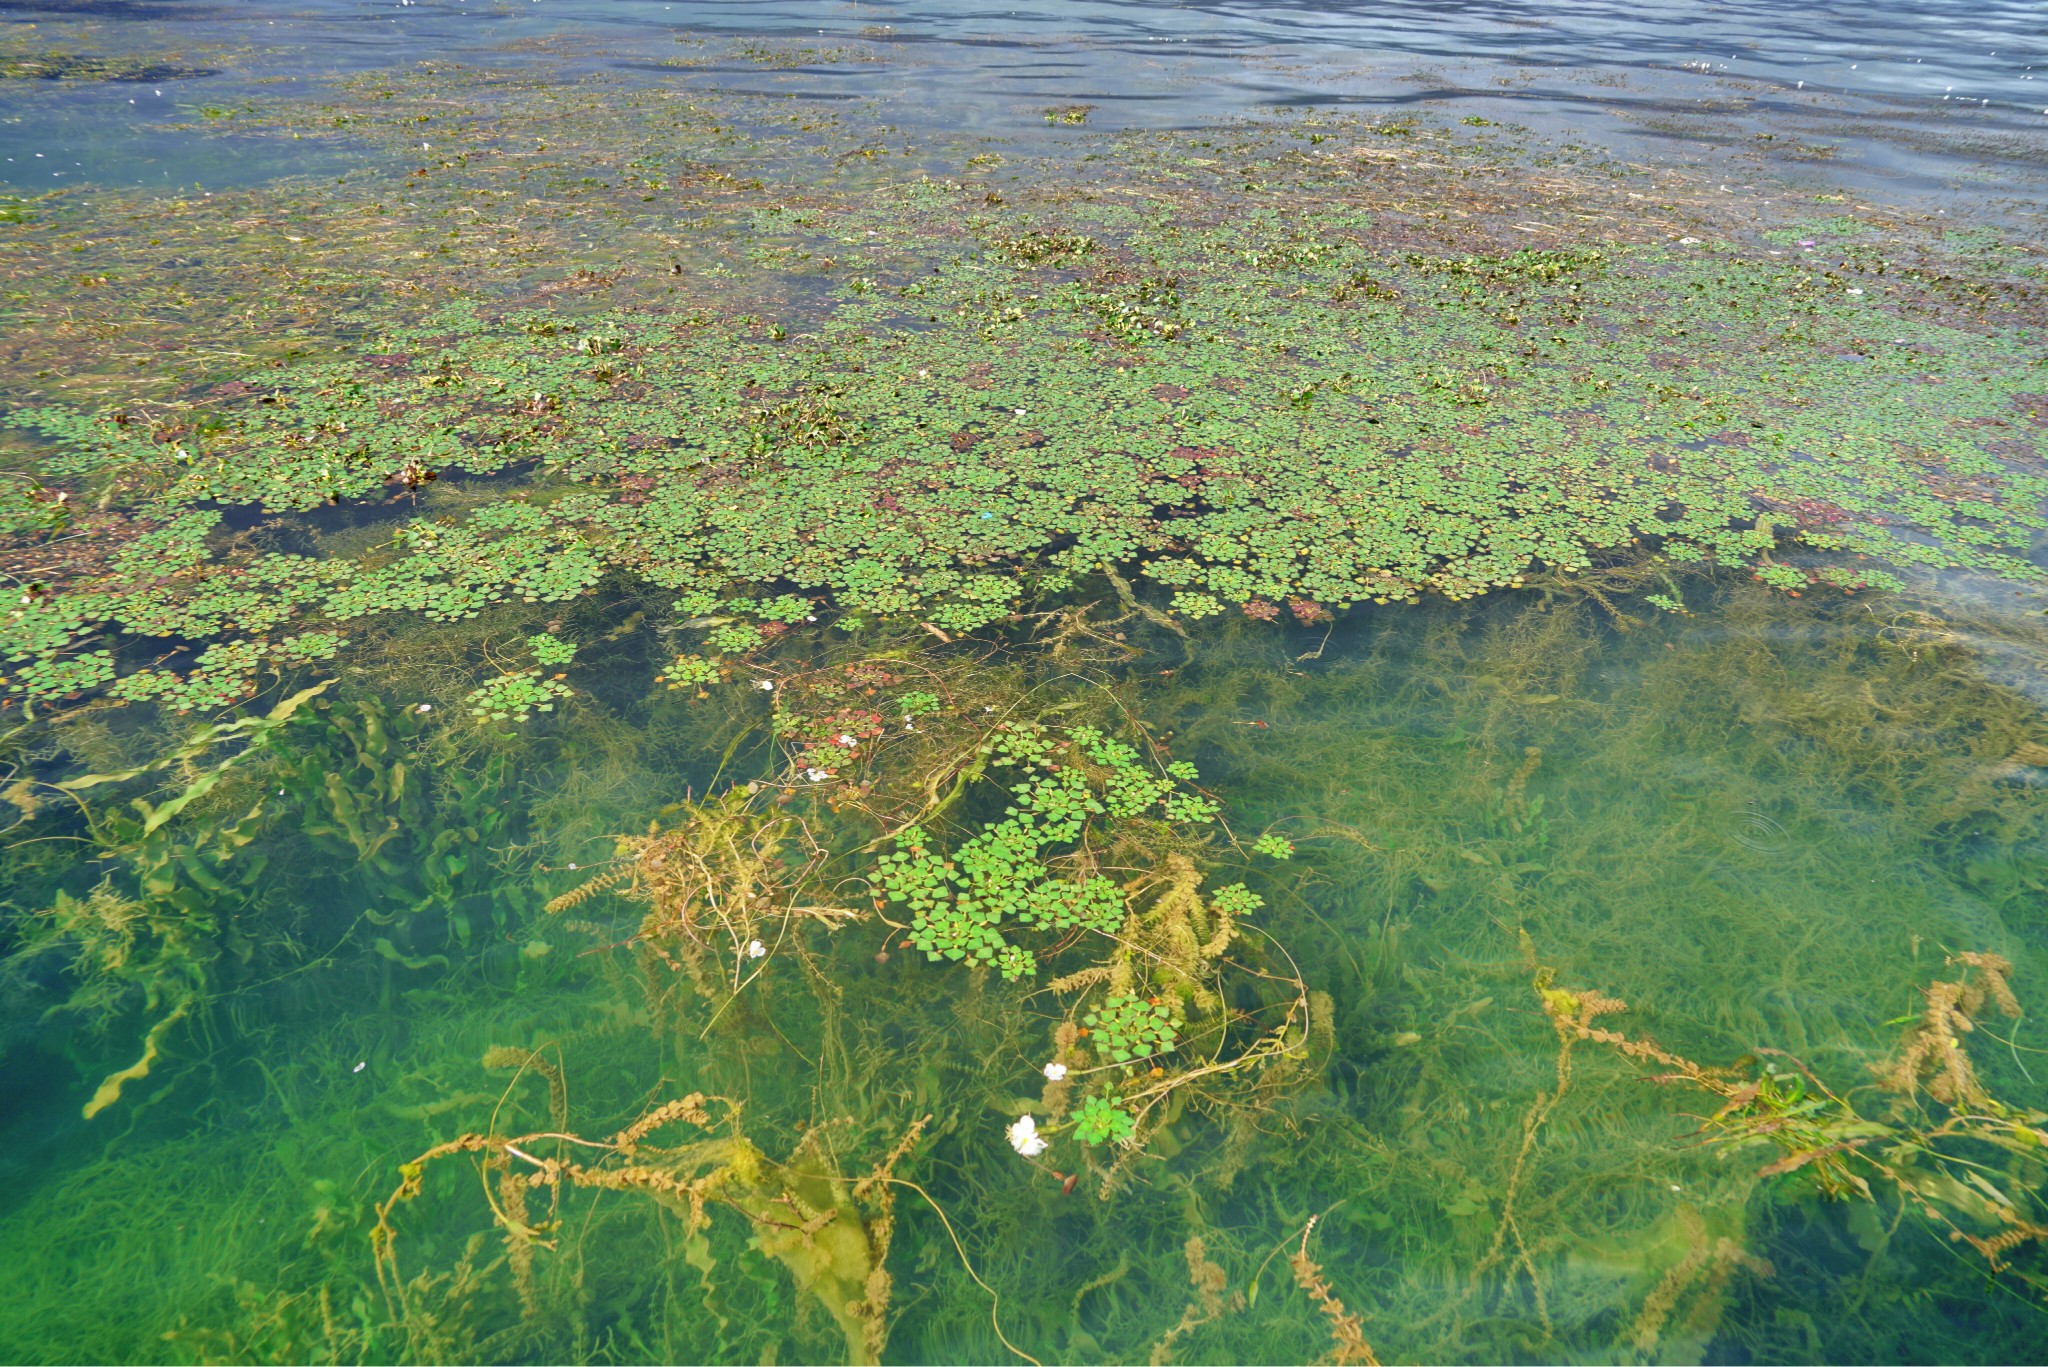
x,y
1767,825
664,741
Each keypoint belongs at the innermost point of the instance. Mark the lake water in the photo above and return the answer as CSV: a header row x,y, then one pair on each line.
x,y
1915,97
1114,682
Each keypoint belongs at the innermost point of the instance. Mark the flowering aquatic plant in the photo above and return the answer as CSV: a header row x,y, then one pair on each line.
x,y
1025,1138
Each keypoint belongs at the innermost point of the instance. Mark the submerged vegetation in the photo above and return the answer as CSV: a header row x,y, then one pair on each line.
x,y
1069,1014
679,733
1930,1165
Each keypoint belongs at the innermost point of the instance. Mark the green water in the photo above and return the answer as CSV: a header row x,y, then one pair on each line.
x,y
1763,825
645,721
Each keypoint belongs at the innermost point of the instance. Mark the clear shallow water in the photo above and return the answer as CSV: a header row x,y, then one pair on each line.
x,y
1765,823
1763,826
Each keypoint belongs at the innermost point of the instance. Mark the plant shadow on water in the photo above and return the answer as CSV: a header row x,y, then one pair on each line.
x,y
721,1110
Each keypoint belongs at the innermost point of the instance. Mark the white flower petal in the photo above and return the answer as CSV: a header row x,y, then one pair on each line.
x,y
1055,1071
1025,1138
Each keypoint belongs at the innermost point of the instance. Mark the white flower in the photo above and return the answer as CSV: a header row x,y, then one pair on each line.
x,y
1055,1071
755,949
817,775
848,741
424,707
766,686
1025,1138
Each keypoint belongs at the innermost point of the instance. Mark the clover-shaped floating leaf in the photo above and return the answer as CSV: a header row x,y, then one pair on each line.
x,y
1098,1120
53,677
551,650
961,903
1126,1028
1235,899
1274,845
917,704
691,671
516,697
735,638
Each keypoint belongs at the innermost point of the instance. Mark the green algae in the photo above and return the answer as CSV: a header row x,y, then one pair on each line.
x,y
931,584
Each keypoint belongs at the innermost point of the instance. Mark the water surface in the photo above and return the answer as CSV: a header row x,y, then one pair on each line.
x,y
1592,922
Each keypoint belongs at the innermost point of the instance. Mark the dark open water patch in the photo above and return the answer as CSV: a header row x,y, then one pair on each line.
x,y
87,68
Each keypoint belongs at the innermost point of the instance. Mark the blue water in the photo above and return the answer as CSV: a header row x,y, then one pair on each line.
x,y
1932,97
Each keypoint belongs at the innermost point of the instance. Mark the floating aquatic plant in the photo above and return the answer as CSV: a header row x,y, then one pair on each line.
x,y
551,650
1097,1120
1274,846
1235,379
1619,399
515,697
1123,1029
